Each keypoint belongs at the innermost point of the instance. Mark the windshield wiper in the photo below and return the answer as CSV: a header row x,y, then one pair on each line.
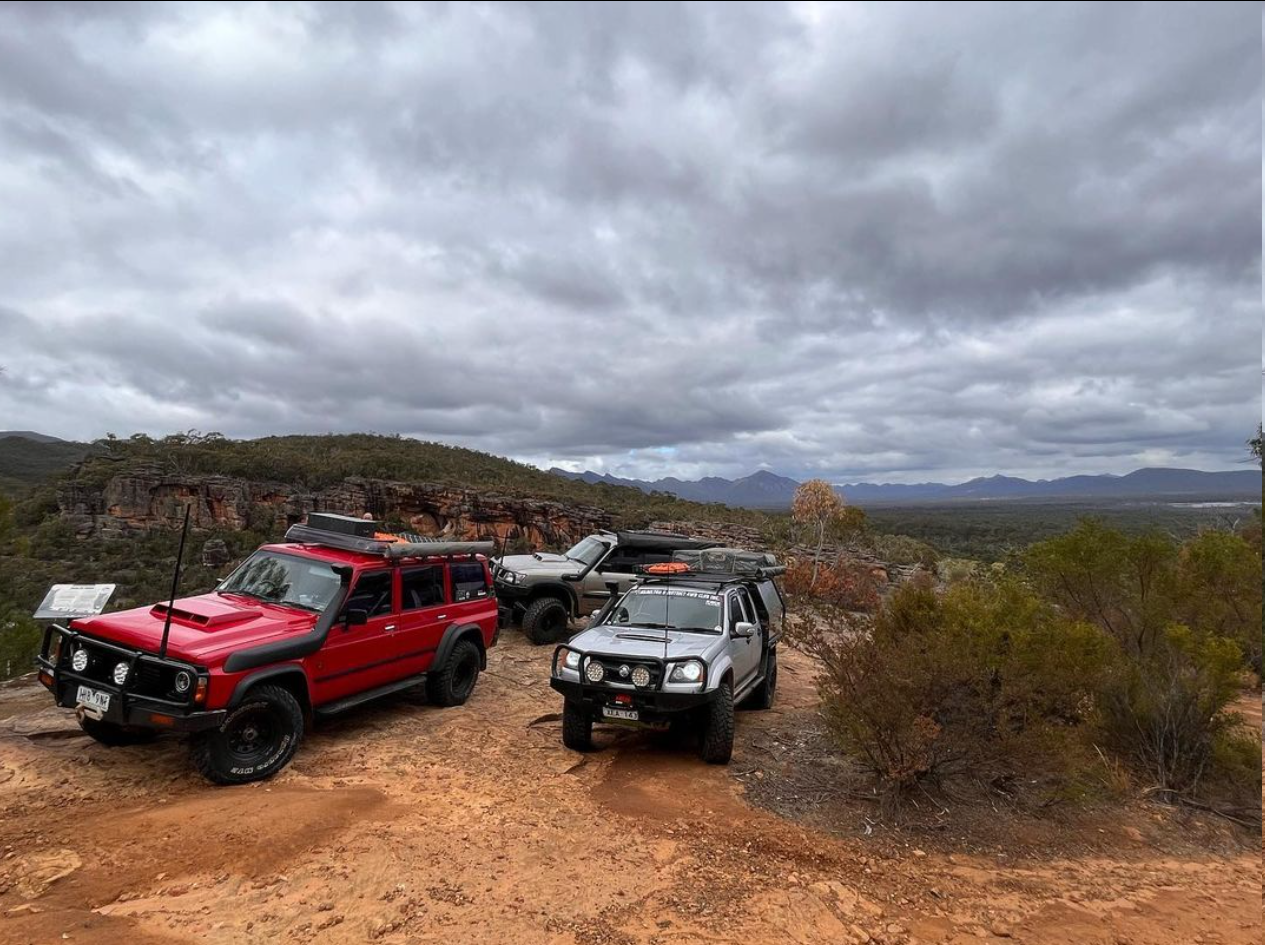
x,y
295,603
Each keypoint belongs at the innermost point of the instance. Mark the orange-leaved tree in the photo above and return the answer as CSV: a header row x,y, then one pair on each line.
x,y
820,510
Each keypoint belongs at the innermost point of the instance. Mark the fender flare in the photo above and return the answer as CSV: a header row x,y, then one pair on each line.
x,y
459,631
566,594
247,682
716,671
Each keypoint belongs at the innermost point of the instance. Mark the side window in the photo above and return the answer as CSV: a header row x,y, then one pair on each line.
x,y
469,582
739,609
372,594
422,587
621,561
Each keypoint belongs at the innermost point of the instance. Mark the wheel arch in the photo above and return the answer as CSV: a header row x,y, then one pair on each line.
x,y
455,632
557,590
721,670
290,677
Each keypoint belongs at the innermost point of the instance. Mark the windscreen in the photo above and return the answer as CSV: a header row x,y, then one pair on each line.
x,y
671,608
588,552
284,579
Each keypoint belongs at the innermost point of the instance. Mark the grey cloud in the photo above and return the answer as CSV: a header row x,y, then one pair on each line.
x,y
900,241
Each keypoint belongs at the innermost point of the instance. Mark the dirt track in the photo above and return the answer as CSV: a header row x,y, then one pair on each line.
x,y
407,823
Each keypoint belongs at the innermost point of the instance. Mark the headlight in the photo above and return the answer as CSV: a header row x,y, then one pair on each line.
x,y
595,672
571,659
120,673
690,672
54,649
640,677
510,577
183,682
79,660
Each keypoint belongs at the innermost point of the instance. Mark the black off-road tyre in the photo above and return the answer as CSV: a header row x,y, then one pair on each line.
x,y
716,739
453,682
256,740
545,621
114,735
763,695
577,726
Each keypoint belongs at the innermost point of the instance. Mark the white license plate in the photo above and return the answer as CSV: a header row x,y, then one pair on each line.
x,y
93,698
628,715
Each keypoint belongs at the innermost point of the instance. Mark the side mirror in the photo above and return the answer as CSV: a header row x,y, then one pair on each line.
x,y
744,629
355,617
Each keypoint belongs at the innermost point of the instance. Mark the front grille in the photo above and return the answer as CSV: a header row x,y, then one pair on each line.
x,y
616,680
150,676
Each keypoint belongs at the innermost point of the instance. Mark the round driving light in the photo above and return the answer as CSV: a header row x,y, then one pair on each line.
x,y
595,671
640,677
79,660
120,674
183,681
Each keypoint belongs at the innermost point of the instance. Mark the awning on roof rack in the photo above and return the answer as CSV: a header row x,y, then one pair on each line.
x,y
661,540
387,548
735,561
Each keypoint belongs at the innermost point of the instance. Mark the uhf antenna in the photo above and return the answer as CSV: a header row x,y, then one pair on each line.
x,y
175,582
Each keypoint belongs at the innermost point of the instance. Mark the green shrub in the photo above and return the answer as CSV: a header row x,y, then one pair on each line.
x,y
1167,711
978,680
20,638
1217,589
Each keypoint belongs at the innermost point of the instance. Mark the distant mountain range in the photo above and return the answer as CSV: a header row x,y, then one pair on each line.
x,y
27,458
30,435
761,490
768,490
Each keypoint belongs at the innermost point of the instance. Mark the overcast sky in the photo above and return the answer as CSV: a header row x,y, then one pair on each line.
x,y
885,242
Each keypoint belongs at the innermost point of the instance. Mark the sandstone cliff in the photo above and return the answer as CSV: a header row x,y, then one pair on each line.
x,y
138,500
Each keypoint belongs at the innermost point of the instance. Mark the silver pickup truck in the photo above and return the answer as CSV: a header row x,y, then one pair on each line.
x,y
687,643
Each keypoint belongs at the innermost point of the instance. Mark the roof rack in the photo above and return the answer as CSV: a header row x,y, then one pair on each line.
x,y
387,546
717,564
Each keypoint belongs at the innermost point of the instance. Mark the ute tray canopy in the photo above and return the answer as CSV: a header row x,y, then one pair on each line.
x,y
388,546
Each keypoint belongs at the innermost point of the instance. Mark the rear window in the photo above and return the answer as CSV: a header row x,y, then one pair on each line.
x,y
422,587
469,582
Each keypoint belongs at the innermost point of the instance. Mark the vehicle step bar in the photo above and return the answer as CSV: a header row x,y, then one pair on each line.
x,y
360,698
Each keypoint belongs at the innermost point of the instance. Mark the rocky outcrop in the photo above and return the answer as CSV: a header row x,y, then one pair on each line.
x,y
885,573
139,500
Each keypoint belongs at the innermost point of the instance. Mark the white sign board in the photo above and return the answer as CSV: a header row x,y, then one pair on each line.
x,y
66,601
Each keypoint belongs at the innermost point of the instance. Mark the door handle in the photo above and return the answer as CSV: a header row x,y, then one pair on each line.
x,y
388,628
441,616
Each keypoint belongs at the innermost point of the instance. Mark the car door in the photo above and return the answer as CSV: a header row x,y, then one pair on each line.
x,y
611,576
360,657
424,615
470,594
744,651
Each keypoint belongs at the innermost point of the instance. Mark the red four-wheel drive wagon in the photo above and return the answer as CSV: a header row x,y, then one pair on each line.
x,y
336,615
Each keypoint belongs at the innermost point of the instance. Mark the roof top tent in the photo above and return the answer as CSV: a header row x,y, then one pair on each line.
x,y
662,540
362,535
